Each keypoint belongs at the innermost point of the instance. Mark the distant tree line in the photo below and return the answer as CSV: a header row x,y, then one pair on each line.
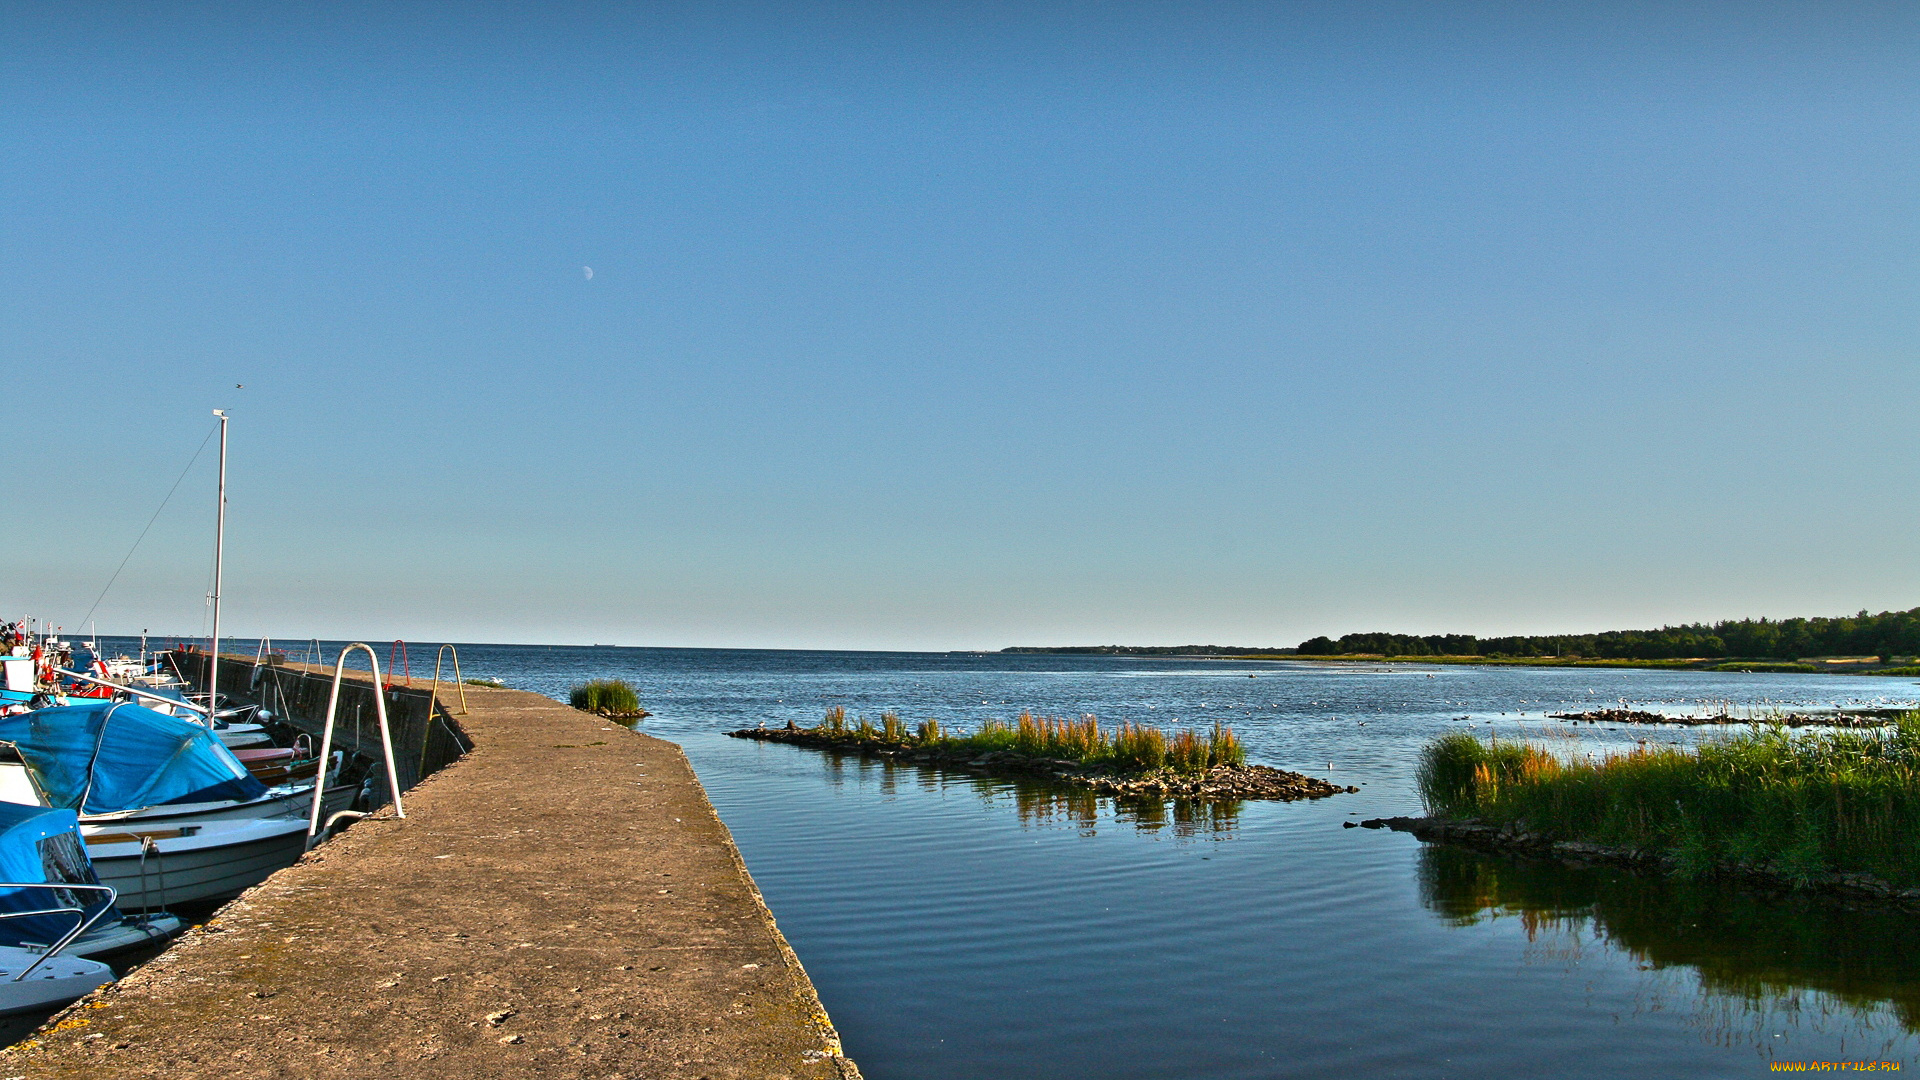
x,y
1139,650
1888,634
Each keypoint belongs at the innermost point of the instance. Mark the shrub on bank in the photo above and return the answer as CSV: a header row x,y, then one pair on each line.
x,y
607,697
1806,804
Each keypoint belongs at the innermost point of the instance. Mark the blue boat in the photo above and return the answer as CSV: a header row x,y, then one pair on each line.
x,y
42,846
167,813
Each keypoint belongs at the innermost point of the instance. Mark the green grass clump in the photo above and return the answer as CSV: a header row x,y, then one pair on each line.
x,y
1139,747
1807,804
607,697
491,684
1130,748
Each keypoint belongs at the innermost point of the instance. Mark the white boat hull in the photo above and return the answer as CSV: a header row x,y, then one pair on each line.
x,y
131,933
289,801
211,861
284,800
57,981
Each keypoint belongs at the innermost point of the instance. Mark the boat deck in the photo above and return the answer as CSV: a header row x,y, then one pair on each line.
x,y
562,901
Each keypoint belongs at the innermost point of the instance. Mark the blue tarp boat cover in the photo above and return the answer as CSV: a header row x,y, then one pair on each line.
x,y
38,844
104,756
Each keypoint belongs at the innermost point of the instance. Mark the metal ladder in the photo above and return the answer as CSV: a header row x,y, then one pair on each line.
x,y
326,740
458,681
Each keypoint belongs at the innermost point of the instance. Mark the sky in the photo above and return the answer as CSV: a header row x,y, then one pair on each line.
x,y
968,325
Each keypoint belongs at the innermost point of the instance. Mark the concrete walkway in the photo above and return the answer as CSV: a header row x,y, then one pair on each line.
x,y
562,902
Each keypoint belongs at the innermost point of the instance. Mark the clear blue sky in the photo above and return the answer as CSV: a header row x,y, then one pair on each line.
x,y
963,325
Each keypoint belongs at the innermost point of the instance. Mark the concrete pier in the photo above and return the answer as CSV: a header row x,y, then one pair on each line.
x,y
560,902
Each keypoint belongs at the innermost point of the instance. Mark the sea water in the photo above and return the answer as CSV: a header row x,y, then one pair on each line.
x,y
959,927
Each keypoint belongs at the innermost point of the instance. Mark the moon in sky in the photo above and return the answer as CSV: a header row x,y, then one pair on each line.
x,y
589,271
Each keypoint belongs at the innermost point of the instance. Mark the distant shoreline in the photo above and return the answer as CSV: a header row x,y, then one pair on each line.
x,y
1844,665
1229,651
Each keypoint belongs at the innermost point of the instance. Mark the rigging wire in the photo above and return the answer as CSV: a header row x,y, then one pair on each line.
x,y
150,521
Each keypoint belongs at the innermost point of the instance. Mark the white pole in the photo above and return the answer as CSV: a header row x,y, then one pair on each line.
x,y
219,541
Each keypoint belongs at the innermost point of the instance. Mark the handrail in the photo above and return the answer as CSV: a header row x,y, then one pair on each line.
x,y
326,736
80,926
399,648
433,699
131,690
458,681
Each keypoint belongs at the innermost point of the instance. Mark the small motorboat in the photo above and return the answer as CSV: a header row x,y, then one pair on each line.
x,y
18,683
50,901
154,867
168,814
243,736
121,763
276,764
44,977
43,845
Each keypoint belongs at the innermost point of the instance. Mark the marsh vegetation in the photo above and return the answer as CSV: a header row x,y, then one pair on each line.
x,y
1128,748
1801,805
1130,759
611,698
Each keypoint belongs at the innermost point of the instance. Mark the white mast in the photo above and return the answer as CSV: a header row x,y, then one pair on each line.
x,y
219,541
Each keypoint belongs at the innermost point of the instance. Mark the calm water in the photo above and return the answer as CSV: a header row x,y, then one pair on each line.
x,y
965,928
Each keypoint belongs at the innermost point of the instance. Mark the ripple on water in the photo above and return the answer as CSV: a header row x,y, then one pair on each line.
x,y
958,928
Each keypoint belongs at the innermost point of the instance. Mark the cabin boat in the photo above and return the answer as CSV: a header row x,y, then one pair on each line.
x,y
36,978
278,764
154,867
43,845
166,811
117,762
17,681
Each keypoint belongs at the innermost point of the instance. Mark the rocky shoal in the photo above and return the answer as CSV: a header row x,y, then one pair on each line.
x,y
1219,782
1866,718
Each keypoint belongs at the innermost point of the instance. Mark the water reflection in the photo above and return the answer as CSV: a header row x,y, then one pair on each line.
x,y
1038,803
1044,805
1761,962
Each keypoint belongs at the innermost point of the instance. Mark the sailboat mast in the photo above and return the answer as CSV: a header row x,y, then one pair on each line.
x,y
219,542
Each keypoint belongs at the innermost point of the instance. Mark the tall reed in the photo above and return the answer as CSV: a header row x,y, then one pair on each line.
x,y
1129,748
892,728
1139,746
1806,804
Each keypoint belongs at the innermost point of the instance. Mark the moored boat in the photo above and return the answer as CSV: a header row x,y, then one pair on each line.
x,y
168,814
154,867
43,846
118,762
33,978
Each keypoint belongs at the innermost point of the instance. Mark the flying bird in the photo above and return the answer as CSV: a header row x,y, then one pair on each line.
x,y
239,386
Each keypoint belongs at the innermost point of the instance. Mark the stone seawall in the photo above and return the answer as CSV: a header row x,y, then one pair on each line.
x,y
562,901
425,739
